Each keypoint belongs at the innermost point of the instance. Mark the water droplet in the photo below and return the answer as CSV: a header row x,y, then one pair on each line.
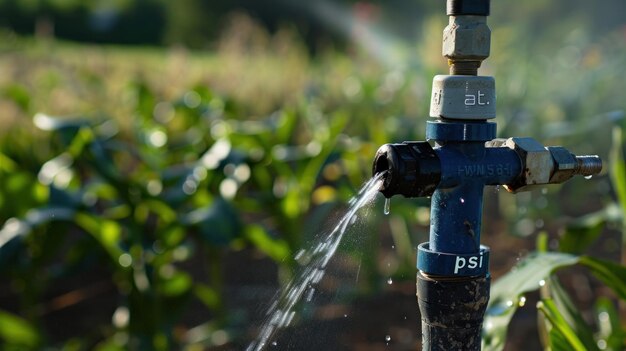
x,y
589,176
393,246
462,200
522,301
603,317
509,303
309,295
388,338
317,275
345,316
299,254
387,205
389,281
354,219
542,282
274,343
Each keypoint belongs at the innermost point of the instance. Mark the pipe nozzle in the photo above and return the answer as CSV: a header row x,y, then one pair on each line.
x,y
411,169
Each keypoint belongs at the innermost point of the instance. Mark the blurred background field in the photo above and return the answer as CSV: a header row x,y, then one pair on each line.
x,y
161,163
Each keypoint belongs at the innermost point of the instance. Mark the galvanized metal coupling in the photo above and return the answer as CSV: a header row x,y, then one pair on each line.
x,y
467,38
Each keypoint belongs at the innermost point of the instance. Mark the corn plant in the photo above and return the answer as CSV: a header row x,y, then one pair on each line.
x,y
561,323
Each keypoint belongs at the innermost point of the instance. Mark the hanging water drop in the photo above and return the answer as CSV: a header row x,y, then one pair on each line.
x,y
274,343
462,200
389,281
522,301
388,339
387,205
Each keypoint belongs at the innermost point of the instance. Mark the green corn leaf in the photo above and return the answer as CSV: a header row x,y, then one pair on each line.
x,y
209,296
164,212
529,275
570,313
293,204
17,332
581,233
618,167
278,250
308,177
562,336
610,273
109,345
14,230
609,328
106,232
219,223
65,128
7,164
84,136
19,95
176,284
556,340
287,122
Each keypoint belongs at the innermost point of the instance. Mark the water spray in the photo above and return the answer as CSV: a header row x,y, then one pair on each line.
x,y
453,267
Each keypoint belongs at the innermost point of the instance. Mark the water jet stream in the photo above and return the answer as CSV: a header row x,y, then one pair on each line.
x,y
281,311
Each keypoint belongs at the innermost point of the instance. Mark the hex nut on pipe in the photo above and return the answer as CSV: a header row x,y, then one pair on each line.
x,y
466,38
564,164
536,160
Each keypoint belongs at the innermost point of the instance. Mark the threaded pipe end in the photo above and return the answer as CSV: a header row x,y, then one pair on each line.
x,y
588,165
464,68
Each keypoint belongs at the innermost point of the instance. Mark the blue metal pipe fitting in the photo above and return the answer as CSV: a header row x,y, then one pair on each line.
x,y
454,173
460,157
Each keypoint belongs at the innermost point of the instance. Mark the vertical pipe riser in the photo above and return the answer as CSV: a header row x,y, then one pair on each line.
x,y
452,312
456,219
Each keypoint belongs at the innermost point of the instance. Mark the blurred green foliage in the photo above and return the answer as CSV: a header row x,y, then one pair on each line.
x,y
197,23
165,162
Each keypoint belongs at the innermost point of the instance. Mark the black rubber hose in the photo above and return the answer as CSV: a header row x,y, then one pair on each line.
x,y
452,312
468,7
